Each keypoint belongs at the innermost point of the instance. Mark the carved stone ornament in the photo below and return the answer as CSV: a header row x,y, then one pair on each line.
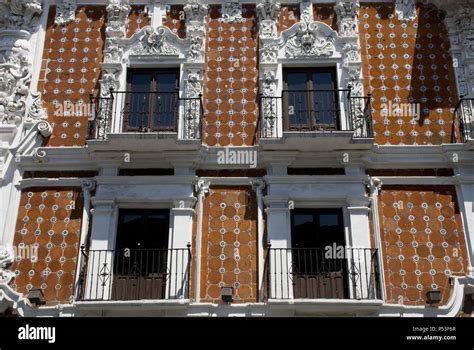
x,y
347,12
306,11
405,10
155,42
117,17
193,84
65,12
35,108
268,10
113,51
195,11
15,75
310,40
232,12
16,14
196,49
269,83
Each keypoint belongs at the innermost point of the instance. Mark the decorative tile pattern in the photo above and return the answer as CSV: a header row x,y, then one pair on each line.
x,y
71,58
408,62
137,19
175,20
289,15
423,241
49,219
231,80
229,244
325,13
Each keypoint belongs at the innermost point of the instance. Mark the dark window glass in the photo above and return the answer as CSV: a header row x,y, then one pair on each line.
x,y
141,255
152,100
316,273
310,99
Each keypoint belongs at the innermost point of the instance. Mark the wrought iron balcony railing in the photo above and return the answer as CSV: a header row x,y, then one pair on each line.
x,y
325,111
127,111
135,274
463,126
309,273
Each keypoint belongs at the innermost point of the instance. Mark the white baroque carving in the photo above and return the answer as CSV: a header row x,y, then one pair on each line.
x,y
117,17
309,41
35,108
6,259
269,83
232,12
268,103
306,8
268,10
194,83
154,42
65,12
20,13
347,12
15,75
44,128
351,54
113,51
192,106
195,11
269,53
405,10
196,49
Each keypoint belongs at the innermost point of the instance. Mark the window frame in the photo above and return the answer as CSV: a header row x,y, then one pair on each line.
x,y
154,72
310,126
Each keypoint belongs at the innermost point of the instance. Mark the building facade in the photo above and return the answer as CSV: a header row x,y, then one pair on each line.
x,y
236,158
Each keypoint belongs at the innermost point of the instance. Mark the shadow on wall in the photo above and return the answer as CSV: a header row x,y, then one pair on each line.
x,y
433,79
408,69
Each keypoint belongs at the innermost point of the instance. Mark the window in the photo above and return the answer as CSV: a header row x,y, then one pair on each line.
x,y
315,273
151,100
141,255
310,99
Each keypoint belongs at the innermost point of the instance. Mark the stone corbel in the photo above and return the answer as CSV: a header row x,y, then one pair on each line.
x,y
32,140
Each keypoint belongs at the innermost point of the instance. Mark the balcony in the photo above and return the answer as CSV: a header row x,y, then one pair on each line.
x,y
307,118
143,115
463,127
307,273
135,274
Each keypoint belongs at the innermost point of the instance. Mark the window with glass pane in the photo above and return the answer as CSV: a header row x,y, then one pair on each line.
x,y
152,100
310,99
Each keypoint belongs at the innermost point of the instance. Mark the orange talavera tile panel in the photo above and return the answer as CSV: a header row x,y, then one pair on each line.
x,y
231,80
422,241
137,19
229,246
289,15
50,221
409,63
70,71
175,20
325,13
